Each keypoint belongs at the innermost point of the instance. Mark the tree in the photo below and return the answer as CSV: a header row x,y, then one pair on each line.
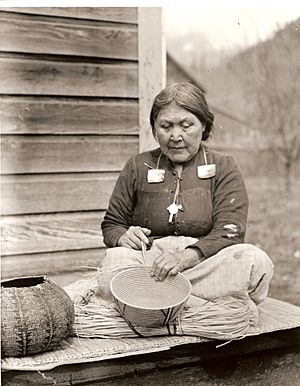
x,y
275,94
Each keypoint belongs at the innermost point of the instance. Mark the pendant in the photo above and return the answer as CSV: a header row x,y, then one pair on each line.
x,y
206,171
173,210
155,176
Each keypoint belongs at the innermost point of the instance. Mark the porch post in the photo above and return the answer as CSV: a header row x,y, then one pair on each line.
x,y
152,68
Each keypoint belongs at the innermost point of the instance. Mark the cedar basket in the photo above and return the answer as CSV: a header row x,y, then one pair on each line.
x,y
142,301
36,315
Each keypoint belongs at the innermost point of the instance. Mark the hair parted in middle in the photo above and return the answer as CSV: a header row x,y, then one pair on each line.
x,y
187,96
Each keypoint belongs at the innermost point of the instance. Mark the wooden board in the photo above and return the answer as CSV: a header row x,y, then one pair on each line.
x,y
59,115
50,263
30,76
51,232
152,68
117,14
31,34
61,153
48,193
268,359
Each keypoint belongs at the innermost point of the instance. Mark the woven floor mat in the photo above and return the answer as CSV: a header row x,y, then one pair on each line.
x,y
274,315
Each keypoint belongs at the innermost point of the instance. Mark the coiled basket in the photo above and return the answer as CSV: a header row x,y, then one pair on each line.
x,y
36,314
142,301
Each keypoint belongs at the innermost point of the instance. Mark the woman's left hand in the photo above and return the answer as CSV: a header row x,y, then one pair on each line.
x,y
169,264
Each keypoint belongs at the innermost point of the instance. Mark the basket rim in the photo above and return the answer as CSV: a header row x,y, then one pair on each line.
x,y
151,308
20,278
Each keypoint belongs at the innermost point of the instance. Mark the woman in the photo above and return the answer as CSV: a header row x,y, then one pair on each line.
x,y
189,205
187,200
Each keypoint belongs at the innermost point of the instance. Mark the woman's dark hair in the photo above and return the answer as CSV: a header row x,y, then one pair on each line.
x,y
187,96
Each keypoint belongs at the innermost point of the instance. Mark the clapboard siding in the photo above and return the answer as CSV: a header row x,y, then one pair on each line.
x,y
51,232
50,263
61,115
58,37
51,77
46,193
69,122
55,154
114,14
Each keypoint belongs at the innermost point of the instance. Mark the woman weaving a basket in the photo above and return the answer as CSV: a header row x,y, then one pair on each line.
x,y
189,205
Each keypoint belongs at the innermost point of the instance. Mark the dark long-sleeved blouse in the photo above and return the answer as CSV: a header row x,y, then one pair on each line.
x,y
214,210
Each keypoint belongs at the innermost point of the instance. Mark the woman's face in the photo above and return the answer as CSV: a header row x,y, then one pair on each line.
x,y
179,133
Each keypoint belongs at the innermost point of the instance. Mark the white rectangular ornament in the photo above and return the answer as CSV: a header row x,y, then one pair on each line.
x,y
155,176
206,171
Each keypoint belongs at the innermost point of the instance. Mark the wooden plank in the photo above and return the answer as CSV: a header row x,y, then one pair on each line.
x,y
115,14
20,33
43,115
60,153
38,193
265,363
30,76
50,263
152,68
51,232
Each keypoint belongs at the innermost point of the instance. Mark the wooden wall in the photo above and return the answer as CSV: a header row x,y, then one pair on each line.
x,y
69,122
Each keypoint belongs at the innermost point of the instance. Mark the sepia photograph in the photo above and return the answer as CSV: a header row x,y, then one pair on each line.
x,y
150,184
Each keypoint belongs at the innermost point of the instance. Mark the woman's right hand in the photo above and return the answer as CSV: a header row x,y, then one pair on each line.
x,y
133,237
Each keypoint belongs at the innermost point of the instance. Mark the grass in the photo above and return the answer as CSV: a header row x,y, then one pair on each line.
x,y
274,226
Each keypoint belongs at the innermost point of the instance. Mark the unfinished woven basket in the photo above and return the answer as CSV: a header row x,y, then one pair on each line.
x,y
36,315
142,301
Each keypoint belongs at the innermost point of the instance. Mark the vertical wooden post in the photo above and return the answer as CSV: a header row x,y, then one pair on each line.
x,y
152,68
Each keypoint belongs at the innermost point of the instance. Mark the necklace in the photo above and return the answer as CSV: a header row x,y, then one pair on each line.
x,y
174,208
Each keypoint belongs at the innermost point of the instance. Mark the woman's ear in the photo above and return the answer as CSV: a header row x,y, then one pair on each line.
x,y
154,134
203,131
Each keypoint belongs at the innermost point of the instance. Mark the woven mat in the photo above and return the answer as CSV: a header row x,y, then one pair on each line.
x,y
274,315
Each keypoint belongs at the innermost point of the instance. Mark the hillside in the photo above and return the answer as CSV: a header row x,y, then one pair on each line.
x,y
235,83
261,84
